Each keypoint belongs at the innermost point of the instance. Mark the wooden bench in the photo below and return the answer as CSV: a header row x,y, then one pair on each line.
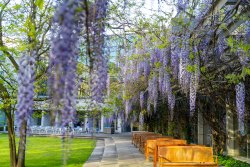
x,y
136,137
144,139
134,133
152,146
139,138
186,156
150,143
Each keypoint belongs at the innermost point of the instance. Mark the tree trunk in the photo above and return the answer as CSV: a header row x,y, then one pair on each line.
x,y
22,145
12,141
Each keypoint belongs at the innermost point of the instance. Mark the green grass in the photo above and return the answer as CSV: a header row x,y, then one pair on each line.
x,y
47,151
230,162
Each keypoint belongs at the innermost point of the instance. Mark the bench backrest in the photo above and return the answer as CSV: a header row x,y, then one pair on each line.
x,y
137,135
186,153
171,142
144,138
151,143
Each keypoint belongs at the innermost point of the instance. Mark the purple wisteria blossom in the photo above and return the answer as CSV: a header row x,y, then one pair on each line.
x,y
240,105
142,99
26,78
194,84
100,61
63,59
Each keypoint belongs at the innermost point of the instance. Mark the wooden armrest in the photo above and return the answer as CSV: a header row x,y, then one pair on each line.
x,y
166,160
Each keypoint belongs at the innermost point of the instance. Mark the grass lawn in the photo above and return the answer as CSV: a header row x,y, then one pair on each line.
x,y
47,151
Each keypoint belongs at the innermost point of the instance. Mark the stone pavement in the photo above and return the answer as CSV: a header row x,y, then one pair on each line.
x,y
116,151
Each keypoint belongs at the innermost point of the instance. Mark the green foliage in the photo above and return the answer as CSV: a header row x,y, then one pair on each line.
x,y
233,78
223,26
37,114
163,45
191,68
236,45
245,72
230,162
39,4
236,78
158,64
107,110
191,56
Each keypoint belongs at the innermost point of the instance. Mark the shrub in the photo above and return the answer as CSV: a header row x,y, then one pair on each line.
x,y
230,162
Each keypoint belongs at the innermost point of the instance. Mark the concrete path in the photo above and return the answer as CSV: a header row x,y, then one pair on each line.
x,y
116,151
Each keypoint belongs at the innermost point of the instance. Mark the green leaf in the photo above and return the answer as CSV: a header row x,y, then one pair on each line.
x,y
17,6
157,64
203,69
39,4
230,41
191,68
191,56
233,78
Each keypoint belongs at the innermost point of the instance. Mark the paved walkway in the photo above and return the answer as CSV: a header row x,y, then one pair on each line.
x,y
116,151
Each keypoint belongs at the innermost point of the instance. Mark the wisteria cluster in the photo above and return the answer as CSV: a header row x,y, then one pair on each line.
x,y
26,78
184,75
142,99
188,52
175,50
99,72
141,119
240,105
128,107
155,72
194,83
63,59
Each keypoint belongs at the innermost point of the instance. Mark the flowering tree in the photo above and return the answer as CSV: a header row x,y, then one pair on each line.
x,y
22,34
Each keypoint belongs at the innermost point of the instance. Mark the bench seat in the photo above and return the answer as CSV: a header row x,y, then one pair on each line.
x,y
186,156
190,164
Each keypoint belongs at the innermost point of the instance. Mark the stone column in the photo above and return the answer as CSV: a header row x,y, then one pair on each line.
x,y
57,120
200,128
102,123
85,124
131,126
119,125
45,119
231,129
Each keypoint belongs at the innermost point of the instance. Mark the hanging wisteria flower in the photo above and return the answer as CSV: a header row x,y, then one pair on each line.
x,y
128,107
175,51
171,97
26,78
184,75
194,83
142,99
248,31
240,105
63,59
221,45
155,92
146,68
99,71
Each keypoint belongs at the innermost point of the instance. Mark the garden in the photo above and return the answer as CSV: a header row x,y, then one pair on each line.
x,y
71,70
